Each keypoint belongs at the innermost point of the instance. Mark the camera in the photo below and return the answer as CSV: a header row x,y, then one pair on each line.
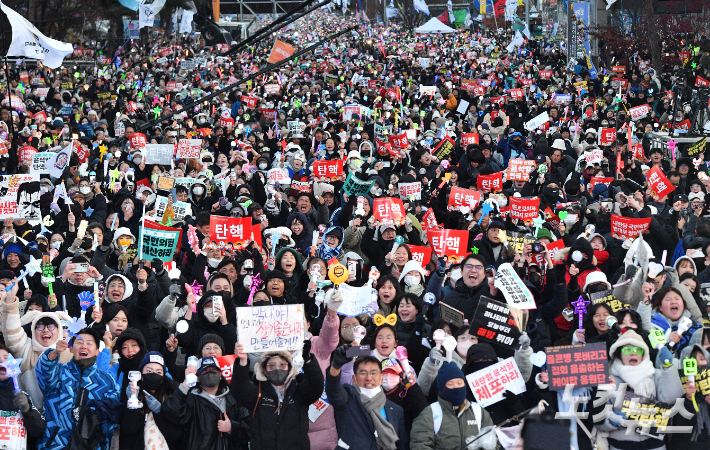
x,y
537,247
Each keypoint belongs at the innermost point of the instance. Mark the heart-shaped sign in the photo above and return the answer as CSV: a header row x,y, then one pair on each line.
x,y
464,209
538,359
562,215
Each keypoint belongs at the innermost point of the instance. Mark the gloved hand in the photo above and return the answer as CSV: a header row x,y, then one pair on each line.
x,y
419,323
664,358
437,356
21,402
617,419
174,292
108,238
339,357
335,300
152,403
509,398
306,350
475,229
560,272
408,224
157,264
75,245
441,265
524,341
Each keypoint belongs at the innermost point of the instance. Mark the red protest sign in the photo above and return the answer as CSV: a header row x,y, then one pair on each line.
x,y
256,234
419,47
639,112
659,183
137,140
300,183
429,220
268,114
545,74
230,229
468,139
607,136
627,227
525,82
249,102
388,209
81,151
604,180
225,366
490,183
327,169
479,90
420,254
553,248
498,101
504,211
463,197
684,56
524,208
383,148
519,169
226,123
26,153
700,81
399,141
622,82
618,69
637,150
516,94
684,125
449,242
189,148
468,85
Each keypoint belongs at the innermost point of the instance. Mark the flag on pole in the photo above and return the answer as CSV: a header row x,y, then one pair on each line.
x,y
420,5
450,8
29,42
57,163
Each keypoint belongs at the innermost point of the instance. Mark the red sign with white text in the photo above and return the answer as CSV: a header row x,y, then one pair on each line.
x,y
137,140
463,197
449,242
468,139
658,182
420,254
230,229
519,169
327,169
388,209
524,208
490,183
626,227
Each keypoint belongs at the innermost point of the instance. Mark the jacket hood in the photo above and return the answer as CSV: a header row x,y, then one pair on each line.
x,y
259,372
34,316
299,263
129,286
695,342
198,183
687,258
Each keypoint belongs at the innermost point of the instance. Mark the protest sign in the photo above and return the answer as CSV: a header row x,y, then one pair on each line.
x,y
516,293
519,169
637,150
137,140
444,149
165,183
27,153
553,248
300,183
420,254
694,149
451,315
606,137
273,327
38,162
449,242
537,121
429,220
159,154
595,156
185,181
226,363
407,190
424,62
187,65
701,82
497,323
639,112
702,380
382,133
327,169
490,183
159,241
280,51
516,94
490,384
278,175
516,240
356,300
315,410
355,186
271,89
626,227
230,229
648,416
658,182
606,181
189,148
349,110
388,210
608,298
468,139
524,208
577,365
180,209
9,188
249,101
399,141
460,197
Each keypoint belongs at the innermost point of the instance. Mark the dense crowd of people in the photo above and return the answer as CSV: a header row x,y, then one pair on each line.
x,y
450,176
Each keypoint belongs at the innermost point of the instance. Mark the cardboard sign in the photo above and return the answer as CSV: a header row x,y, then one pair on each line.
x,y
524,208
451,315
166,183
137,140
490,183
189,148
468,139
327,169
639,112
446,242
273,327
660,185
497,323
603,180
356,300
625,227
577,365
407,190
460,197
159,154
488,385
159,241
516,293
444,149
519,169
608,298
388,210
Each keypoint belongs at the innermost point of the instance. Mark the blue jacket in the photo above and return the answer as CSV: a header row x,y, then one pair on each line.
x,y
59,383
509,151
355,426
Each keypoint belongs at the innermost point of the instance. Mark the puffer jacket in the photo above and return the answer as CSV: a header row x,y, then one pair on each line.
x,y
322,432
454,429
200,326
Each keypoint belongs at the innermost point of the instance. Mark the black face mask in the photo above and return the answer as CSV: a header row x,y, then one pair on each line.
x,y
209,379
517,142
277,377
152,381
552,192
42,247
590,140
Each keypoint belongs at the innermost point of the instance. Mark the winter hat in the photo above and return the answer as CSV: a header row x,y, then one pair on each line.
x,y
594,235
15,247
448,371
544,233
153,357
596,277
337,232
211,337
130,333
630,338
496,224
410,265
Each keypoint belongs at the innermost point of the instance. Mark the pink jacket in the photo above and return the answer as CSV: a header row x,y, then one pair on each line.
x,y
322,432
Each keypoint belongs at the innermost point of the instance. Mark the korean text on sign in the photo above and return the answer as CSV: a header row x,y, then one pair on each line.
x,y
230,229
577,365
496,322
519,169
267,328
488,385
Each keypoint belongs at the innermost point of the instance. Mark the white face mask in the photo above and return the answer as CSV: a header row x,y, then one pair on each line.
x,y
263,166
137,161
199,190
85,190
56,245
570,219
462,347
376,191
213,262
411,280
370,393
456,275
354,164
209,315
389,381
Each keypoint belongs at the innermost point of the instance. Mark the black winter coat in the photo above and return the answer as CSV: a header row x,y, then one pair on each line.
x,y
466,299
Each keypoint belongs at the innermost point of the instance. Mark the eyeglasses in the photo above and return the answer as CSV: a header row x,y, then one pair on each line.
x,y
275,366
210,349
276,280
49,326
385,338
466,337
116,286
477,267
629,350
347,327
364,373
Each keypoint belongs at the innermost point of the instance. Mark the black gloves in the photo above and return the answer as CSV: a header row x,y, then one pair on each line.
x,y
419,323
21,402
306,350
157,265
339,357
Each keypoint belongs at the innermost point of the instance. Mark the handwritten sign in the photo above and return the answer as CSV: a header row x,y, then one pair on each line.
x,y
516,293
159,153
189,148
488,385
273,327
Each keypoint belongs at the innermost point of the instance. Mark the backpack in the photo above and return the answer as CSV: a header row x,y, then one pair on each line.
x,y
438,415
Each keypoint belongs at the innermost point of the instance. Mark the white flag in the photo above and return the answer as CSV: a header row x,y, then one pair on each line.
x,y
186,22
420,5
27,41
57,163
609,3
146,17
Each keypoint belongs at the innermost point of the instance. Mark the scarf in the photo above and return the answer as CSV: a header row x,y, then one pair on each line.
x,y
385,435
327,253
639,378
417,290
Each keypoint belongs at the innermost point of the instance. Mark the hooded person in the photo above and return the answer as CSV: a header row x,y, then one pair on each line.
x,y
697,439
289,261
332,244
301,232
123,240
452,420
208,319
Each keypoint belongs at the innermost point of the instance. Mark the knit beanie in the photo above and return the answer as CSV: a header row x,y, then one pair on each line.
x,y
211,337
448,371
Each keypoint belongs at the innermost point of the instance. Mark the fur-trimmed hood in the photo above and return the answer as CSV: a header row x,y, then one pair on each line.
x,y
259,368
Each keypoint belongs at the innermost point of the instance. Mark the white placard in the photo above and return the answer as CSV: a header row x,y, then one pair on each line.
x,y
356,300
488,385
159,153
537,121
38,162
273,327
407,189
189,148
516,293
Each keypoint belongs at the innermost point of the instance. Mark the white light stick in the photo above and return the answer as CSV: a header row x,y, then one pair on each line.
x,y
450,346
134,377
439,336
683,325
359,333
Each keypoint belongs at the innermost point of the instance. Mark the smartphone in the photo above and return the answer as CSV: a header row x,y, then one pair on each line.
x,y
489,272
352,267
216,303
92,179
358,350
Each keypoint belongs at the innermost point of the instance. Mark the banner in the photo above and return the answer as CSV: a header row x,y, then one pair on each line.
x,y
581,13
269,328
537,121
490,384
189,148
490,183
524,208
449,242
658,182
327,169
159,154
230,229
407,190
159,241
625,227
519,169
388,210
608,298
497,323
355,186
577,365
399,141
460,197
516,293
